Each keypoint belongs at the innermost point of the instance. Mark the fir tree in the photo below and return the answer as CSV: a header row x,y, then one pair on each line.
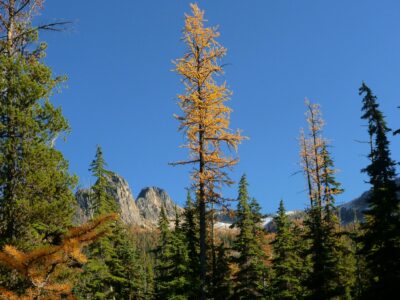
x,y
112,271
171,261
287,267
381,240
190,229
249,279
222,285
101,201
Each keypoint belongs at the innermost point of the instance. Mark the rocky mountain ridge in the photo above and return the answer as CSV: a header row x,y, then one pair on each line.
x,y
143,211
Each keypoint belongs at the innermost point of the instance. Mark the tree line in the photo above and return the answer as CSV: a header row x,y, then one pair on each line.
x,y
45,255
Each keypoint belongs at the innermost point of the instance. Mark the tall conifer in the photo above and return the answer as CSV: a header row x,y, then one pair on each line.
x,y
205,119
222,285
381,239
112,271
287,267
249,279
171,261
36,199
36,189
190,229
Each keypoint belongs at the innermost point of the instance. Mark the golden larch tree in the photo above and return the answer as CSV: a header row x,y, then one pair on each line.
x,y
330,276
205,118
315,159
45,268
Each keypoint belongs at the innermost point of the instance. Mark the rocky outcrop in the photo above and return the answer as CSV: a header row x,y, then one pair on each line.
x,y
120,191
142,212
149,202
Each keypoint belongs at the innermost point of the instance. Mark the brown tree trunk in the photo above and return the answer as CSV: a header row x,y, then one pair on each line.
x,y
202,208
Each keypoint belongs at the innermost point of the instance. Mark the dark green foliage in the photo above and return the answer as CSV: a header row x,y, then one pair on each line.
x,y
329,271
113,270
361,273
36,198
171,261
190,230
222,281
249,279
331,263
101,201
381,239
287,265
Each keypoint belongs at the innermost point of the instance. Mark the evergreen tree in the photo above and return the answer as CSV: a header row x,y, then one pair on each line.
x,y
222,285
101,201
113,270
36,199
381,239
171,261
36,189
249,279
287,267
190,229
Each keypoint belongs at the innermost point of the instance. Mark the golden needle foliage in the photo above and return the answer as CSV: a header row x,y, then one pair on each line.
x,y
205,117
46,266
315,159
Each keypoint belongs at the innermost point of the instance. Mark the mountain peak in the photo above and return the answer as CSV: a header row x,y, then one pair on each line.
x,y
151,199
142,212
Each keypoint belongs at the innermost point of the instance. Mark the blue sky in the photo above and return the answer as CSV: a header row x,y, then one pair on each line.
x,y
121,92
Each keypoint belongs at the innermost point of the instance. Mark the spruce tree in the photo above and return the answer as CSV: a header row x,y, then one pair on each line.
x,y
190,229
381,239
286,267
249,278
222,285
171,261
101,201
112,271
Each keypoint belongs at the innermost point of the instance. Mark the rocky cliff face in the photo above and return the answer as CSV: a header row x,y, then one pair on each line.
x,y
142,212
149,202
121,192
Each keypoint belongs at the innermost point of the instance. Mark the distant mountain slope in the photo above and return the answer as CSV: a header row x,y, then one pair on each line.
x,y
142,212
356,208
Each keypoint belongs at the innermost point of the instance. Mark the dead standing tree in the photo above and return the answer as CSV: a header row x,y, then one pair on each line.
x,y
16,30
